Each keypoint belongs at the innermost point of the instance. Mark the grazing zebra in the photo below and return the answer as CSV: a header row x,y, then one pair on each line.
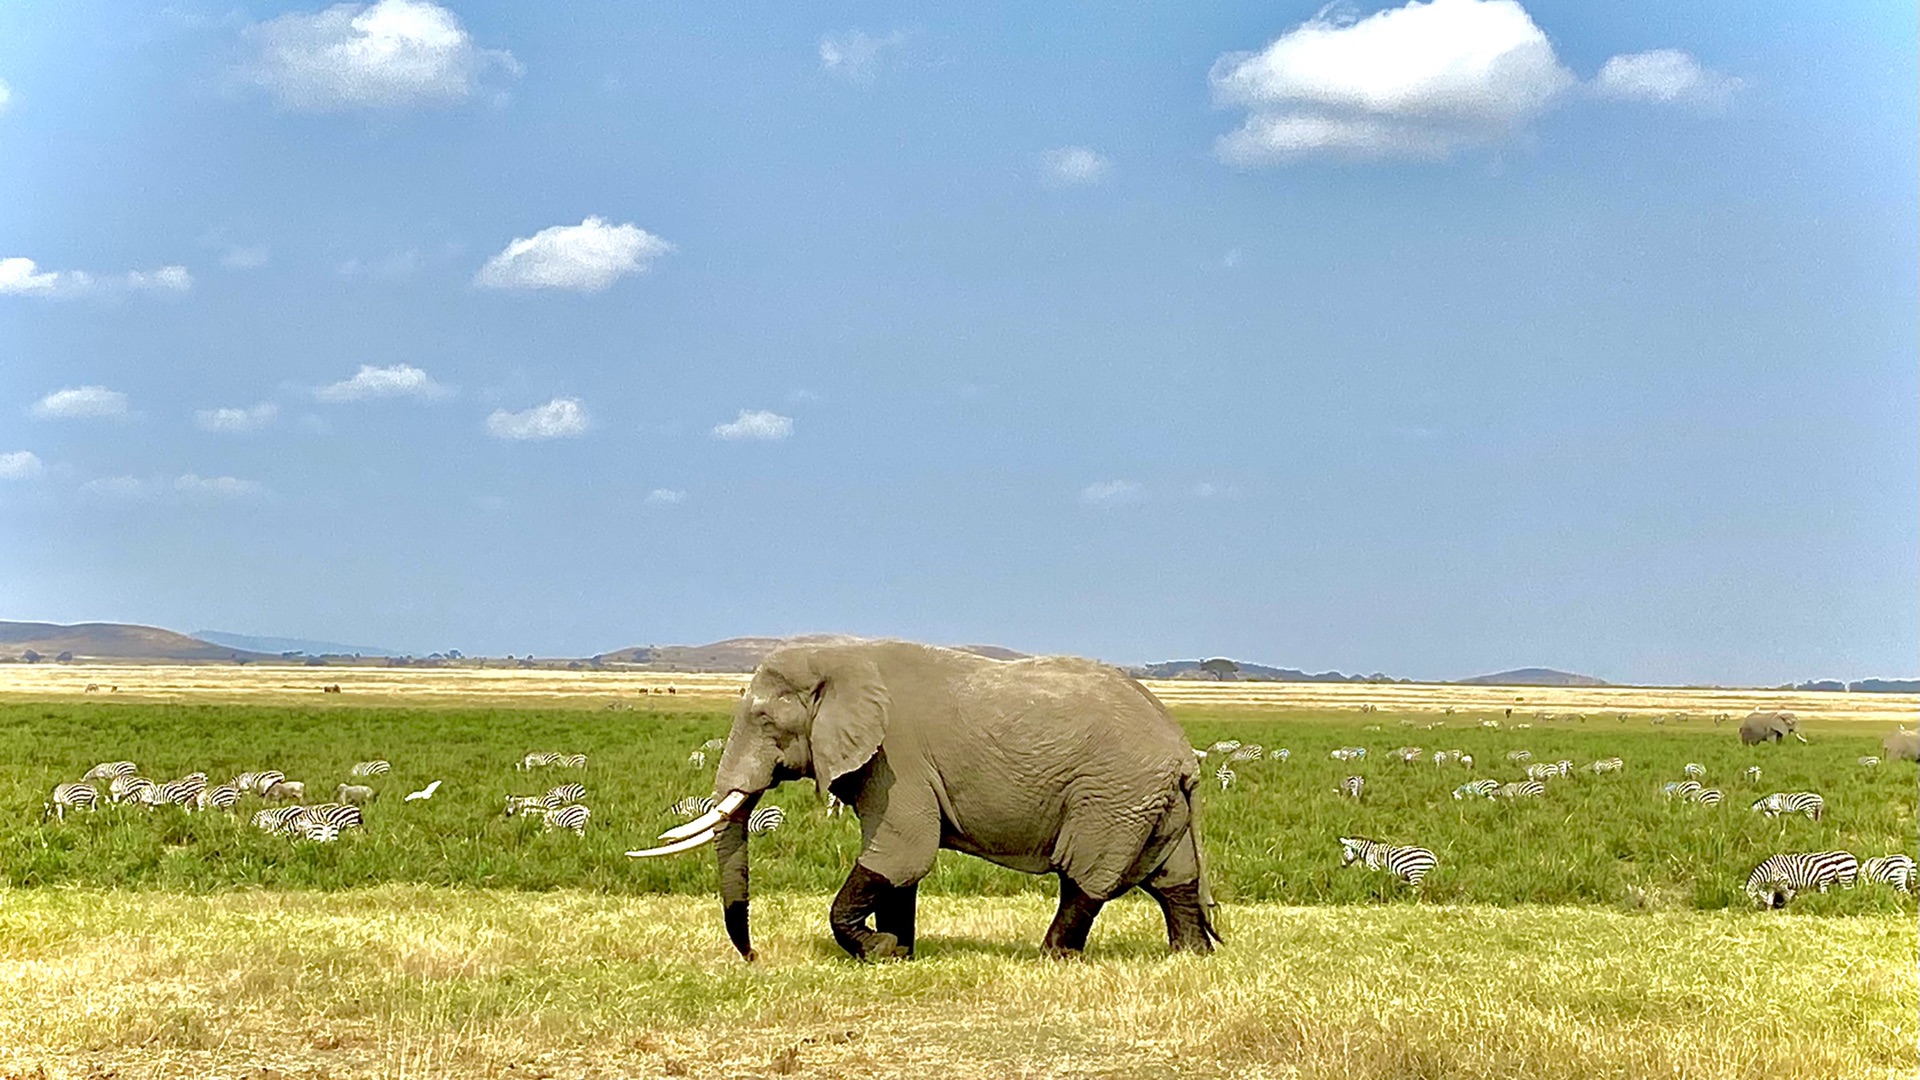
x,y
1680,789
1281,755
522,804
1408,754
1774,882
1895,870
538,759
1494,724
1249,752
693,806
766,819
1796,802
279,819
1707,796
1868,762
182,792
263,782
1519,755
1522,789
224,797
1606,765
1753,774
1224,746
572,761
247,782
1693,770
129,789
109,770
1563,767
567,817
562,795
339,816
1225,775
1466,760
74,795
1409,864
697,759
371,768
1349,753
1540,770
834,806
1353,787
1485,788
714,746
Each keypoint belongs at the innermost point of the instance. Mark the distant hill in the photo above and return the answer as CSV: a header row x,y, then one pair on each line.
x,y
289,644
1533,676
1247,672
745,653
1861,686
110,641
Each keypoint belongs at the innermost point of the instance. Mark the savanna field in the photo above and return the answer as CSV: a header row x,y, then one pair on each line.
x,y
1600,929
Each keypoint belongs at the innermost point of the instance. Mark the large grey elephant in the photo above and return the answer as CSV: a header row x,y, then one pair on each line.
x,y
1761,727
1045,765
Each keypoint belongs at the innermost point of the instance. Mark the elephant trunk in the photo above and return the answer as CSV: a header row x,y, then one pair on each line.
x,y
730,848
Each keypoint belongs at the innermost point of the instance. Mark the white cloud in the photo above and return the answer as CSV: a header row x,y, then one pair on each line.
x,y
81,403
235,421
19,465
190,487
119,487
400,380
391,54
1071,166
856,55
21,276
1665,77
6,95
1112,493
244,258
666,497
589,257
217,488
757,425
561,418
1419,81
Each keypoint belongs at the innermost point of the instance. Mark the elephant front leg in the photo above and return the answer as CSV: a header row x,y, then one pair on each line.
x,y
864,893
895,915
1067,937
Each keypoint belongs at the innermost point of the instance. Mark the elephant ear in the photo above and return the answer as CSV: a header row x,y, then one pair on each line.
x,y
850,714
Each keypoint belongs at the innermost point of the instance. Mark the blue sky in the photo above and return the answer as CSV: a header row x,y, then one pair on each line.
x,y
1431,339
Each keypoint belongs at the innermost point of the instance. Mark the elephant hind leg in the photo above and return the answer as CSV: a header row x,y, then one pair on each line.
x,y
1176,887
1067,937
863,894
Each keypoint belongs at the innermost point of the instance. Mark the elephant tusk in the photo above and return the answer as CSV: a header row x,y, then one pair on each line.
x,y
675,849
709,820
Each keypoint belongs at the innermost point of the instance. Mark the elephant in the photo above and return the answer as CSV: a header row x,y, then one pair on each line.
x,y
1902,744
1044,765
1761,727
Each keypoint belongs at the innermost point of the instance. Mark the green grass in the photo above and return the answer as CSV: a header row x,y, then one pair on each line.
x,y
1271,837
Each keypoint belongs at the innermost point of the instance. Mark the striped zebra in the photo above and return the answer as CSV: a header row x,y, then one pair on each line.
x,y
1349,753
1707,797
1353,787
1895,870
1606,765
525,804
223,797
337,816
1408,754
1225,775
572,761
1249,752
834,806
1224,746
538,759
263,782
77,796
573,817
1281,755
1794,802
1519,755
109,770
692,806
1680,789
371,768
1753,774
562,795
766,819
129,789
1465,760
1522,789
1868,762
1693,770
279,819
697,759
714,746
183,792
1484,788
1540,770
1409,864
247,782
1775,882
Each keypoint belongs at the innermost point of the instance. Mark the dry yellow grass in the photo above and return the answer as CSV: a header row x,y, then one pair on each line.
x,y
407,981
474,686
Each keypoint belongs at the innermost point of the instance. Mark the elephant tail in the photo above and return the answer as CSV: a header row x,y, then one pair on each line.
x,y
1190,787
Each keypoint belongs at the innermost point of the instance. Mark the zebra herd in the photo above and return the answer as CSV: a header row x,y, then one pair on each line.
x,y
1775,881
125,785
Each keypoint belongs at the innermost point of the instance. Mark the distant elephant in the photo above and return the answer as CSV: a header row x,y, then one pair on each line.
x,y
1045,765
1762,727
1902,745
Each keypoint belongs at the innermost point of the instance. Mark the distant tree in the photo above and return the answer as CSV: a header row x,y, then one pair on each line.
x,y
1220,668
453,654
65,657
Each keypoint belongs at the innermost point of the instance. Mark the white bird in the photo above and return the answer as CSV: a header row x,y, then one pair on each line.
x,y
425,792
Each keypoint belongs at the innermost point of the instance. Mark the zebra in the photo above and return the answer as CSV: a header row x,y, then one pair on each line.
x,y
1225,775
338,816
1868,762
1491,724
1466,760
697,759
1409,864
1517,756
371,768
247,782
834,806
1540,770
110,770
74,795
182,792
538,759
223,797
1349,753
766,819
562,795
279,819
1606,765
692,806
1522,789
1281,755
1563,767
129,789
1693,770
1485,788
1224,746
1895,870
1797,802
714,746
263,782
522,804
1680,789
1775,881
1753,774
1353,787
1408,754
1249,752
567,817
572,761
1707,796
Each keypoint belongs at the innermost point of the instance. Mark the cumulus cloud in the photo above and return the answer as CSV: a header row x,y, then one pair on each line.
x,y
758,425
81,403
1419,81
1112,493
389,55
400,380
1070,166
217,488
235,421
20,276
1664,77
19,465
588,257
856,55
561,418
666,497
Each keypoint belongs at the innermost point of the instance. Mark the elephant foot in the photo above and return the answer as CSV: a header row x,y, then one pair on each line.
x,y
884,947
1057,952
